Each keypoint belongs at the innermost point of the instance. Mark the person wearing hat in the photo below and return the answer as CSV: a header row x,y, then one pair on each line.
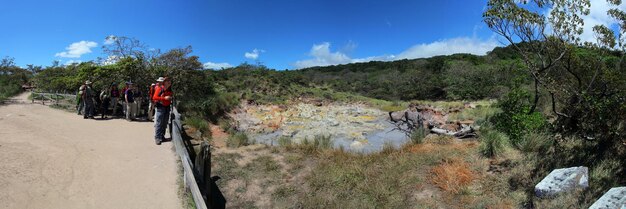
x,y
88,96
163,99
153,88
131,106
80,105
160,80
105,98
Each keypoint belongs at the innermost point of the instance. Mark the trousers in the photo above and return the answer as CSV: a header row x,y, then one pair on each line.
x,y
162,119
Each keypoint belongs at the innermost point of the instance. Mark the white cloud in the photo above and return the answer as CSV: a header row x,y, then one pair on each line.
x,y
598,16
110,39
217,66
77,49
450,46
322,55
254,54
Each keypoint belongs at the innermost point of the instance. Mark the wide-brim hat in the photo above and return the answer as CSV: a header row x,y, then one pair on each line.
x,y
160,79
87,82
129,83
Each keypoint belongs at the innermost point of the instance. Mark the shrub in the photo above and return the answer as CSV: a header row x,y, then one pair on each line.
x,y
605,175
225,125
418,135
237,140
199,124
322,142
515,119
284,141
8,87
319,142
492,143
388,148
538,142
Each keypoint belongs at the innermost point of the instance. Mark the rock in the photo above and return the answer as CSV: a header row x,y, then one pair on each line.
x,y
562,180
289,133
357,145
196,135
396,116
614,198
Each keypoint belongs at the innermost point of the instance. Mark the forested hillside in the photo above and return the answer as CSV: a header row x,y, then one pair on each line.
x,y
454,77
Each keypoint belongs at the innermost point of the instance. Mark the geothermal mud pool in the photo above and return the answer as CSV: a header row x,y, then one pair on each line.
x,y
354,127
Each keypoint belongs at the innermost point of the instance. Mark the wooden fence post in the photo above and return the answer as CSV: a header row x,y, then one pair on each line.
x,y
203,166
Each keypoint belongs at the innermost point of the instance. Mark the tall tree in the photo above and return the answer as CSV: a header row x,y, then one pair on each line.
x,y
585,81
541,41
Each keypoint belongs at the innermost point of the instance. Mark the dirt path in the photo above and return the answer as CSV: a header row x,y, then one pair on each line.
x,y
54,159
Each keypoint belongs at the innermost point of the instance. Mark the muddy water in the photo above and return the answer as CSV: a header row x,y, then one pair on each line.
x,y
354,128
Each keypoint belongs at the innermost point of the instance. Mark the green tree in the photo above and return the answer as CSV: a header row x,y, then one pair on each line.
x,y
542,41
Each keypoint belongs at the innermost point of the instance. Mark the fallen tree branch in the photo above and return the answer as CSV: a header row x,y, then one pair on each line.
x,y
411,120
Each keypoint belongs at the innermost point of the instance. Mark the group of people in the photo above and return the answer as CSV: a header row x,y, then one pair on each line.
x,y
159,97
89,102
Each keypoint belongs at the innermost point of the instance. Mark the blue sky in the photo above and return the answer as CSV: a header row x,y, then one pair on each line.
x,y
281,34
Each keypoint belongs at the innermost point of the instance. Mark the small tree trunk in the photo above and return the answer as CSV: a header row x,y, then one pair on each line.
x,y
532,109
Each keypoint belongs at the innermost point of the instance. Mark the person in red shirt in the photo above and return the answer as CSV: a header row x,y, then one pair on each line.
x,y
163,99
151,100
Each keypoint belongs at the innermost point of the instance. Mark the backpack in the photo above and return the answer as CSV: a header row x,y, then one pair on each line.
x,y
104,95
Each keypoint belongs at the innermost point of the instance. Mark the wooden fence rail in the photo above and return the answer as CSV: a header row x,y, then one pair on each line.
x,y
196,176
54,98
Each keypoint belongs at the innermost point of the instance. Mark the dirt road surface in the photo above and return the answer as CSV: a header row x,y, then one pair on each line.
x,y
51,158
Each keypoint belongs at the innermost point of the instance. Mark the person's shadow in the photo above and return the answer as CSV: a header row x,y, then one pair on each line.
x,y
104,119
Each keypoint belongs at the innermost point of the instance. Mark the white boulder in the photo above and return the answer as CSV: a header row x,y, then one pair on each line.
x,y
614,198
562,180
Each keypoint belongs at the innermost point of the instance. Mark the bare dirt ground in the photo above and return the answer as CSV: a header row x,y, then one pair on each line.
x,y
55,159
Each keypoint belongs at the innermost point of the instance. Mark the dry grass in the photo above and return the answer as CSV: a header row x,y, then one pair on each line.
x,y
452,176
433,174
501,204
433,146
